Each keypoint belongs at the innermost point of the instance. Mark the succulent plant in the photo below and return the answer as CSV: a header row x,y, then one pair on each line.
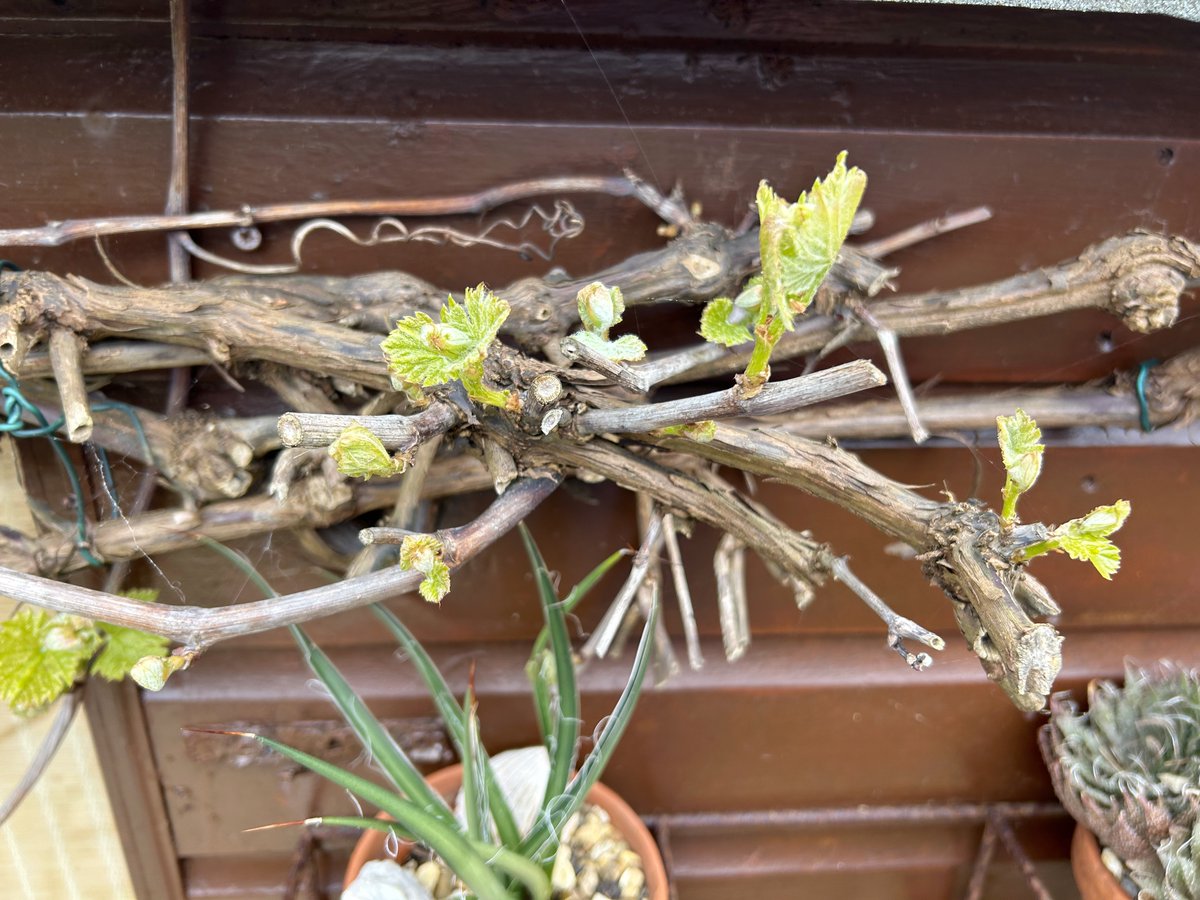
x,y
490,852
1129,770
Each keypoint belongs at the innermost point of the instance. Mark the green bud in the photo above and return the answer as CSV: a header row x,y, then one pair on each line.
x,y
69,633
152,672
360,453
600,308
423,552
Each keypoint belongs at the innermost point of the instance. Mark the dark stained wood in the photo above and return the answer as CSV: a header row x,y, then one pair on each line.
x,y
1071,127
652,87
1052,197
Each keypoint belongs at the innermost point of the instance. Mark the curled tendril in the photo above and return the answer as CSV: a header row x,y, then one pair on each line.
x,y
563,222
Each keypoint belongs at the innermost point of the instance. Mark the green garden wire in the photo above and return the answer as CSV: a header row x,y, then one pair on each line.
x,y
1139,389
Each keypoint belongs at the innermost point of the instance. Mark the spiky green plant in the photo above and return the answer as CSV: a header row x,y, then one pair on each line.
x,y
488,853
1129,770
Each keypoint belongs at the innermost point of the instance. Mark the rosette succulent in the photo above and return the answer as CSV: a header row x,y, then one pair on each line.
x,y
1129,770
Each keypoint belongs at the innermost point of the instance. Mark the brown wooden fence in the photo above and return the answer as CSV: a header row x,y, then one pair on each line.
x,y
817,766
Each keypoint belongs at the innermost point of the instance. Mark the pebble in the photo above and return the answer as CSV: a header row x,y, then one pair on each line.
x,y
593,863
632,881
429,874
562,878
587,881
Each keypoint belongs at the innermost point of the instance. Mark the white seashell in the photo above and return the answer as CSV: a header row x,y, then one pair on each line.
x,y
522,775
383,879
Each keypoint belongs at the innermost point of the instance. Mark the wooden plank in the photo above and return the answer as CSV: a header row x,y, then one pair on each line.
x,y
1063,199
803,711
783,24
654,86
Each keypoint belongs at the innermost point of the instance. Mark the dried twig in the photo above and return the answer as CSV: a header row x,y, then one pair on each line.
x,y
683,594
649,596
313,502
777,396
55,234
961,544
896,368
729,568
403,433
64,715
119,357
600,641
924,231
198,627
202,456
1138,277
983,860
65,350
1003,830
899,628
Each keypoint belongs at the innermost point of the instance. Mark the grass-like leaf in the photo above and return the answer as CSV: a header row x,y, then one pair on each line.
x,y
474,793
443,838
563,722
501,858
376,740
577,593
452,715
541,843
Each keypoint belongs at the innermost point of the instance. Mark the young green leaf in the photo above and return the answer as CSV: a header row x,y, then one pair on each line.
x,y
124,647
1087,538
422,351
32,674
716,326
799,243
701,432
423,552
360,453
600,308
1018,436
627,348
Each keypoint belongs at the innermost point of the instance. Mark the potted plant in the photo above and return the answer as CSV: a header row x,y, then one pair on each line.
x,y
1128,771
496,844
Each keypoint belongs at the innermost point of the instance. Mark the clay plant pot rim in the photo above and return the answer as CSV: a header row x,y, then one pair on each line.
x,y
1092,877
447,781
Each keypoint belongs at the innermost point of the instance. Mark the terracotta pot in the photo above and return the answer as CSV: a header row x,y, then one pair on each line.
x,y
447,782
1091,875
